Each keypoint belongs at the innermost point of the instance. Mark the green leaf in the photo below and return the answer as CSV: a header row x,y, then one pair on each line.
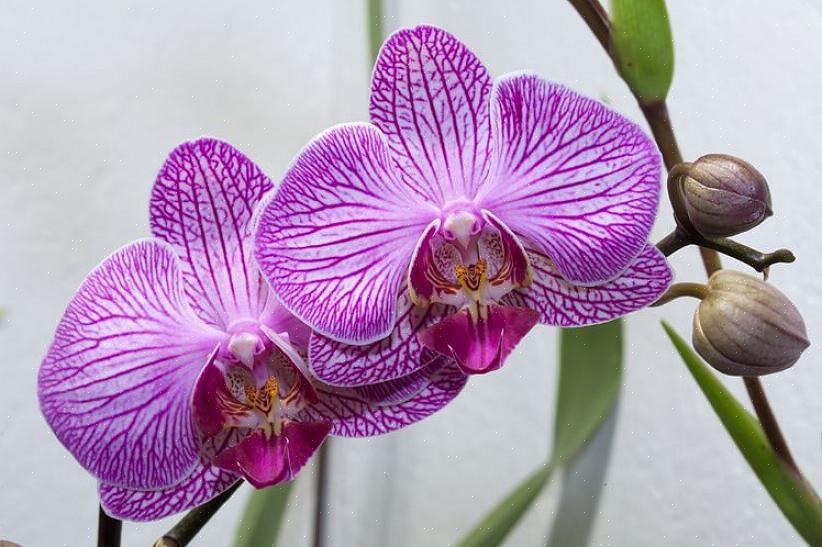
x,y
643,47
793,495
590,376
263,516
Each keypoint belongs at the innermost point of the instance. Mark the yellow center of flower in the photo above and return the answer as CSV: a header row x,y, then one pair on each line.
x,y
472,277
264,401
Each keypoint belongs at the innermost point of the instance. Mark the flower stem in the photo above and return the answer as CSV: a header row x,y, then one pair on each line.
x,y
321,495
769,423
374,25
757,260
753,258
109,530
658,119
678,290
191,524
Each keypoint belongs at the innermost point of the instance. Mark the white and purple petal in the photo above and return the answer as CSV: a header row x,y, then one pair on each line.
x,y
116,381
572,175
202,204
357,413
201,485
335,241
395,356
566,305
430,96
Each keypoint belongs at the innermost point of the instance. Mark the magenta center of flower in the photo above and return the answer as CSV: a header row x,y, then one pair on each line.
x,y
468,261
272,392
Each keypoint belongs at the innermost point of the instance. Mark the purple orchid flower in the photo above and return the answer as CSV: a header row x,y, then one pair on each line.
x,y
175,372
467,212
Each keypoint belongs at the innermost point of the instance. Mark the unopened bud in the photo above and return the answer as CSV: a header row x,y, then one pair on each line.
x,y
725,196
746,327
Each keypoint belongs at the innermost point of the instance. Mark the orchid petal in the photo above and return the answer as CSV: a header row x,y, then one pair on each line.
x,y
336,239
202,204
572,175
116,382
268,460
480,345
397,355
562,304
430,96
356,414
204,483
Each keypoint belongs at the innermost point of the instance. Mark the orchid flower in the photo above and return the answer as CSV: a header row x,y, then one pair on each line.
x,y
175,372
467,212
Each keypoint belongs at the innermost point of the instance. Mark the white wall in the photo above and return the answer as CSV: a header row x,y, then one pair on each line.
x,y
92,97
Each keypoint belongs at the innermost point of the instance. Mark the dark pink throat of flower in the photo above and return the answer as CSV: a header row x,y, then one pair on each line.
x,y
471,261
247,409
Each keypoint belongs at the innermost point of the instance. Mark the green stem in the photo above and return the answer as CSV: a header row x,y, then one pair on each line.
x,y
757,260
109,530
678,290
375,28
188,527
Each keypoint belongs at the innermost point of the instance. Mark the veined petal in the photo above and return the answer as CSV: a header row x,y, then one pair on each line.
x,y
572,175
204,483
278,458
202,204
116,382
397,355
480,345
356,414
336,239
430,94
563,304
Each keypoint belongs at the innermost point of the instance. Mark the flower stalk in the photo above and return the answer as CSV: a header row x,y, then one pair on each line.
x,y
679,290
191,524
658,119
109,530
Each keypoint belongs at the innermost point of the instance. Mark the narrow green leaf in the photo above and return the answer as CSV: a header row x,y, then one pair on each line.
x,y
643,47
263,516
496,525
590,375
589,380
794,497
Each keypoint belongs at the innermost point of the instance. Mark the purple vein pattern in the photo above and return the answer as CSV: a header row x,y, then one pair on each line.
x,y
174,371
437,201
114,383
572,175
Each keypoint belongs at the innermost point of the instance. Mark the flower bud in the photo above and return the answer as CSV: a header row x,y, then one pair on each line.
x,y
725,195
746,327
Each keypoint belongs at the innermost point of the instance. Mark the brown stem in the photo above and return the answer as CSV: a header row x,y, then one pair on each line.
x,y
109,530
597,18
660,122
769,423
188,527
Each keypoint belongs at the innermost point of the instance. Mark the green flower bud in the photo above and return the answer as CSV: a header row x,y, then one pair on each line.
x,y
725,196
746,327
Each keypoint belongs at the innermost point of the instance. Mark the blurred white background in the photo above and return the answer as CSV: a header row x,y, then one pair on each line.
x,y
94,94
